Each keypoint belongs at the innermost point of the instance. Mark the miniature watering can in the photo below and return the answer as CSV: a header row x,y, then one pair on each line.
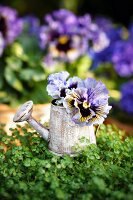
x,y
63,134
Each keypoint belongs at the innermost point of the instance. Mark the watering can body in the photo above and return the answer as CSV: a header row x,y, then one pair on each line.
x,y
63,134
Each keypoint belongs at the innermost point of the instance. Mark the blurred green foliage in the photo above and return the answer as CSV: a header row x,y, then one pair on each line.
x,y
22,76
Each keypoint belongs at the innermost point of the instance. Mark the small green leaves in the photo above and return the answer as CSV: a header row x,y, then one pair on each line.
x,y
31,171
27,162
12,79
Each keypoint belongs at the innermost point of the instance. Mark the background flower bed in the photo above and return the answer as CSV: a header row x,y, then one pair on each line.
x,y
93,47
28,170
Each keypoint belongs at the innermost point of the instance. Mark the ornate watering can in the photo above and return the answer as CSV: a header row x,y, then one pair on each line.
x,y
63,134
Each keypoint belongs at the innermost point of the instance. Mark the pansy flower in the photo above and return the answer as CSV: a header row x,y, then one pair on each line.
x,y
58,85
122,58
64,36
104,40
98,40
10,25
88,103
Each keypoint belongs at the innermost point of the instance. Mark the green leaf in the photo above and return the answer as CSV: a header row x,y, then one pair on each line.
x,y
83,66
13,81
1,82
32,74
27,162
14,63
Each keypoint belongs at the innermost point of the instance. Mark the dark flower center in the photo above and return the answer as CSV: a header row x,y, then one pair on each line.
x,y
85,111
64,44
73,85
90,43
3,26
54,35
63,92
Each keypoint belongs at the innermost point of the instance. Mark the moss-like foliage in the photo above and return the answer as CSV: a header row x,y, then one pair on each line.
x,y
28,170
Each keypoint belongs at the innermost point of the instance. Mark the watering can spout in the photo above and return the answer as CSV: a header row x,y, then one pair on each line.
x,y
24,113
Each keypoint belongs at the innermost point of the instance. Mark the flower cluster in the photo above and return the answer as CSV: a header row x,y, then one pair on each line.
x,y
86,100
67,37
119,48
64,35
10,26
122,58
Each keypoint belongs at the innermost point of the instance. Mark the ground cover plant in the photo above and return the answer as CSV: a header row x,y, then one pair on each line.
x,y
29,170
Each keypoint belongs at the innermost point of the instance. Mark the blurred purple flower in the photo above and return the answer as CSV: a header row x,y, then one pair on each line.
x,y
98,39
105,24
10,25
64,35
88,104
122,58
32,24
110,34
61,17
126,101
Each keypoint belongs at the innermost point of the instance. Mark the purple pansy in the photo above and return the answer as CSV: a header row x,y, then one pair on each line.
x,y
112,35
59,17
59,85
98,39
64,35
88,104
122,58
101,41
126,101
10,25
56,82
86,100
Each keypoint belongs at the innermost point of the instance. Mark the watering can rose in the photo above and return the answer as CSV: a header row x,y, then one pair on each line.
x,y
86,100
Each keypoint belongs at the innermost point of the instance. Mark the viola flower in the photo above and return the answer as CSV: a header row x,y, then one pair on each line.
x,y
88,103
122,58
98,39
56,82
106,42
64,36
58,85
126,101
10,25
